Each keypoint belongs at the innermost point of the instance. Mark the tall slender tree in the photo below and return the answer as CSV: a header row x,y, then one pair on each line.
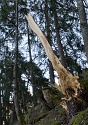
x,y
83,24
51,71
31,73
0,107
15,69
57,28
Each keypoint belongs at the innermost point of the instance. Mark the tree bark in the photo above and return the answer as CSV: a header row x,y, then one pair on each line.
x,y
66,79
31,70
60,47
83,24
51,71
15,69
0,107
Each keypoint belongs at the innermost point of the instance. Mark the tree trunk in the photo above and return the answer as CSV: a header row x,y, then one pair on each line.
x,y
83,24
0,107
51,71
66,79
60,47
31,70
15,69
13,116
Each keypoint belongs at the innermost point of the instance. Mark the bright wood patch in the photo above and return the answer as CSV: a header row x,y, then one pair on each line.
x,y
67,80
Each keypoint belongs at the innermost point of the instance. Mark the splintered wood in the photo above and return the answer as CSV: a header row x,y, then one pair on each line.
x,y
67,80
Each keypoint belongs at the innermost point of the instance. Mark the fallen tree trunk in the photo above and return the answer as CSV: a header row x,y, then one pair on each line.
x,y
67,82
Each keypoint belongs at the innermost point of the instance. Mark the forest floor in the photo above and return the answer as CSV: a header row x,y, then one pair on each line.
x,y
54,114
40,115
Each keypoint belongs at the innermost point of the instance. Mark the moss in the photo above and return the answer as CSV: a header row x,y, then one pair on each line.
x,y
81,118
55,96
62,113
56,123
83,79
50,123
27,118
40,117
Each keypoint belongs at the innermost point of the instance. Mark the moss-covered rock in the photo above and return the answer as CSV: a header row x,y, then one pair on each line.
x,y
49,113
56,116
81,118
52,96
34,114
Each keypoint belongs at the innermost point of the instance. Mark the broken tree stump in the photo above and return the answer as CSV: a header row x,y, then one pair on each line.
x,y
67,80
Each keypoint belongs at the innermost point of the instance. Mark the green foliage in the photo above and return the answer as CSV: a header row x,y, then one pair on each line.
x,y
81,118
22,120
83,78
6,9
72,65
